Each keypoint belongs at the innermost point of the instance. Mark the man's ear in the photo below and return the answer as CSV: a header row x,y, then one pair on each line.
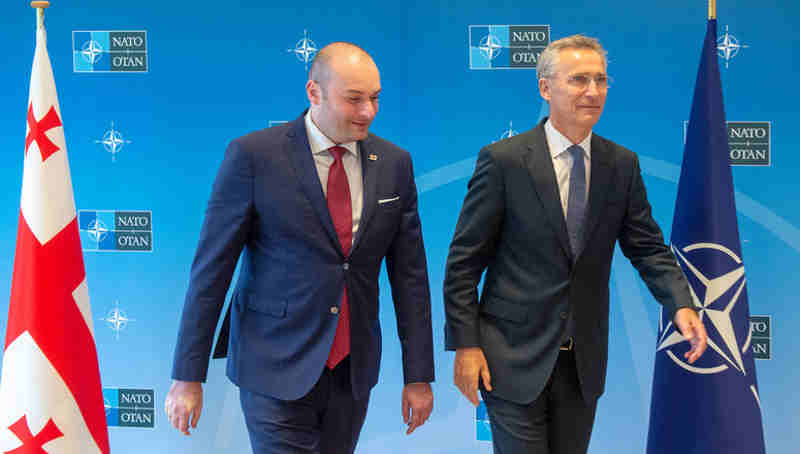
x,y
314,92
544,88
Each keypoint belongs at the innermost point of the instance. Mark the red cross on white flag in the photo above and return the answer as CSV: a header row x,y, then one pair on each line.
x,y
51,399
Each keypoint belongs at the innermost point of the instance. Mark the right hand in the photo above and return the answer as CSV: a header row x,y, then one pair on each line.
x,y
470,364
183,404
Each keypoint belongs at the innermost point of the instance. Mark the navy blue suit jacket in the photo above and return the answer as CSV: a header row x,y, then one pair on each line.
x,y
267,204
512,226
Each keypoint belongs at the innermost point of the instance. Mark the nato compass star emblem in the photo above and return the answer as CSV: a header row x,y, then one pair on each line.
x,y
728,46
113,142
91,51
117,319
97,230
305,49
716,298
509,132
490,46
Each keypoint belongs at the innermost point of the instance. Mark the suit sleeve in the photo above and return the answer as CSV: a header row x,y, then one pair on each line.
x,y
642,242
473,247
225,231
407,268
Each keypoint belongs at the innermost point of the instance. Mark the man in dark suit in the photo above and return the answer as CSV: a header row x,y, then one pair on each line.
x,y
542,214
316,205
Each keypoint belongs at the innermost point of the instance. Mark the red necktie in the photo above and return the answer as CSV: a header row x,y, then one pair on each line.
x,y
341,210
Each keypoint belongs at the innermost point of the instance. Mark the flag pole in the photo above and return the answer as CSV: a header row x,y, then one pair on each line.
x,y
712,9
40,7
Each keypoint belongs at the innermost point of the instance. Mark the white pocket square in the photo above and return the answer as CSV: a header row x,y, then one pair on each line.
x,y
382,201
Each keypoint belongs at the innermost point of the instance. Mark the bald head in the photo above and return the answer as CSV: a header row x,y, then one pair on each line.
x,y
336,57
343,87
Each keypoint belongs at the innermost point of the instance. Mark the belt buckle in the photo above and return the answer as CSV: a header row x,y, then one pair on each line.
x,y
568,345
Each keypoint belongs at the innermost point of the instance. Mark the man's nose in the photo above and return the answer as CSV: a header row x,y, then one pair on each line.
x,y
368,109
593,89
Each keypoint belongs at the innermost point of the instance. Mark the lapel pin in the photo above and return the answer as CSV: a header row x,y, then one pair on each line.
x,y
373,157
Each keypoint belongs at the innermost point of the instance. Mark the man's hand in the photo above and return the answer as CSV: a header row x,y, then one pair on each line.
x,y
183,404
417,404
692,328
471,364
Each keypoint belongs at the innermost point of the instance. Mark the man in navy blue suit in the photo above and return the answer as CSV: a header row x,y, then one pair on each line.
x,y
313,207
541,218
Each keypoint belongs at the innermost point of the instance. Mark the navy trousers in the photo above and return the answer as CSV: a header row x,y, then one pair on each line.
x,y
327,420
559,421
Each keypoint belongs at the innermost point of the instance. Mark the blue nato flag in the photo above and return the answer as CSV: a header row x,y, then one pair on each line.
x,y
712,405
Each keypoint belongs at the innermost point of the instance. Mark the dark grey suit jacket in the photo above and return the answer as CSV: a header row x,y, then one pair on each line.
x,y
512,226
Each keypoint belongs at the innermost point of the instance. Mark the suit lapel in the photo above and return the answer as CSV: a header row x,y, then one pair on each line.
x,y
369,170
540,166
301,158
599,185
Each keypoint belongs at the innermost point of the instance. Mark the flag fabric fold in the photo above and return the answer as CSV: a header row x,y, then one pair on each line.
x,y
50,393
711,406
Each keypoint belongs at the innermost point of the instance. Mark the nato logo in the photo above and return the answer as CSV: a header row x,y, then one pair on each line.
x,y
728,46
483,430
112,142
117,319
116,231
109,51
761,332
508,133
749,143
304,49
506,46
716,299
127,407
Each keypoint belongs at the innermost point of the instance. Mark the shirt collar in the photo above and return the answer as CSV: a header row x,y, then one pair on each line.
x,y
319,142
558,143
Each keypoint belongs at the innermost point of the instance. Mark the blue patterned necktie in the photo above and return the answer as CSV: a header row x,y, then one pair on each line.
x,y
576,204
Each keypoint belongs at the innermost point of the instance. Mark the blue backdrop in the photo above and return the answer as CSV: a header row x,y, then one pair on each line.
x,y
214,73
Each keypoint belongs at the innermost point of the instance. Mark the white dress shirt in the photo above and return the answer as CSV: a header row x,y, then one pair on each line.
x,y
562,160
323,159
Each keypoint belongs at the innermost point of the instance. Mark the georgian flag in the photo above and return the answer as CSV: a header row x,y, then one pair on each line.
x,y
50,395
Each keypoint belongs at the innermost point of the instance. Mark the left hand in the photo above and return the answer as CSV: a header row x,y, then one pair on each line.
x,y
417,404
692,328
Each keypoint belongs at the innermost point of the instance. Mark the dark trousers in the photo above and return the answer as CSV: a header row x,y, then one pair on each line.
x,y
557,422
327,420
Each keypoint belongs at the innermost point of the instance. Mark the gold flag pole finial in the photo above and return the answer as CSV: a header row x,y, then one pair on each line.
x,y
40,7
712,9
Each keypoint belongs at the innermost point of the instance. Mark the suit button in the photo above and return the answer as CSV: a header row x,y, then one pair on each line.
x,y
346,266
334,310
564,315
